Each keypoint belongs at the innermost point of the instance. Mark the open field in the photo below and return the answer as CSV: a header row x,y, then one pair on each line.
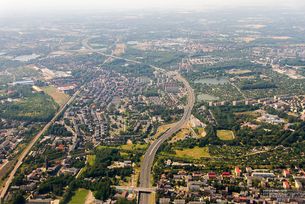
x,y
201,132
248,39
181,135
37,107
225,134
59,97
254,114
206,97
162,129
79,197
281,37
91,159
238,71
194,153
133,147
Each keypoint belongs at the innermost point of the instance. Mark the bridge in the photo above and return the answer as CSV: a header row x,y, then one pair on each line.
x,y
136,189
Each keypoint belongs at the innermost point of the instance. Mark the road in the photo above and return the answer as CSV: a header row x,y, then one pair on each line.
x,y
153,148
28,148
86,45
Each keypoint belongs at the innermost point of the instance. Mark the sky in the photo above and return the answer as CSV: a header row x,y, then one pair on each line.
x,y
19,7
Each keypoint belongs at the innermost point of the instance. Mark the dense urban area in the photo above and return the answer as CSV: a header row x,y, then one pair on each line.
x,y
164,107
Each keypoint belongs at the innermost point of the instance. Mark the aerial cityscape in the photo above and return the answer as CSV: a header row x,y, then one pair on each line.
x,y
185,105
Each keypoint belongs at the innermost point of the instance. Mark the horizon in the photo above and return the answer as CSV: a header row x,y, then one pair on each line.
x,y
30,7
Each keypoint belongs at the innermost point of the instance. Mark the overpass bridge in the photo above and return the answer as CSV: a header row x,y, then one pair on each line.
x,y
136,189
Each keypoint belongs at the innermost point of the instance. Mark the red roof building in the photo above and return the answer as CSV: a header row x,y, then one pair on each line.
x,y
212,175
286,173
226,175
286,185
237,171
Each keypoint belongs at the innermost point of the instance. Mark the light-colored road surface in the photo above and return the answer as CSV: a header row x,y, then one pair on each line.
x,y
153,148
26,151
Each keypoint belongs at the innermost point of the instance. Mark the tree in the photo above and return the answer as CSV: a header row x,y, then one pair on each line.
x,y
18,198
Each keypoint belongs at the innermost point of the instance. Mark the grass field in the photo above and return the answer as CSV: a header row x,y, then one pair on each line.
x,y
79,197
254,114
91,159
225,134
38,107
181,135
133,146
195,153
162,129
238,71
200,132
59,97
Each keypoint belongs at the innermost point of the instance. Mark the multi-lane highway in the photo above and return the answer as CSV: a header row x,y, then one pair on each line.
x,y
153,148
149,157
151,152
28,148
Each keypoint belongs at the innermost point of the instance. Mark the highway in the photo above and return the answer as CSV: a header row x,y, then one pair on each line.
x,y
28,148
150,154
149,157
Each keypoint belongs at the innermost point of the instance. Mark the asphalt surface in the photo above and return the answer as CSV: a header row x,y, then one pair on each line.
x,y
153,148
151,152
28,148
149,157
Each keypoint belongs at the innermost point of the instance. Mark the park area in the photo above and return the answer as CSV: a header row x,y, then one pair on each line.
x,y
59,97
194,153
79,197
225,134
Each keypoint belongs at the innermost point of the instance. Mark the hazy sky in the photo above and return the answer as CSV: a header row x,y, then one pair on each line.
x,y
12,7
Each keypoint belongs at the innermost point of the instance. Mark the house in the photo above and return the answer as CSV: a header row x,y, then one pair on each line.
x,y
28,187
248,169
69,171
194,185
177,177
25,82
212,175
286,185
196,175
298,185
39,201
179,201
237,171
53,170
164,200
263,175
286,173
225,175
127,163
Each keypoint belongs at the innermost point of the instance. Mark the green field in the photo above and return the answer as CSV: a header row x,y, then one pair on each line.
x,y
133,147
59,97
194,153
91,159
206,97
79,197
225,134
35,107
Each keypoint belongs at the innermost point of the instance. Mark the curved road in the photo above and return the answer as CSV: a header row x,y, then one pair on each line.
x,y
153,148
